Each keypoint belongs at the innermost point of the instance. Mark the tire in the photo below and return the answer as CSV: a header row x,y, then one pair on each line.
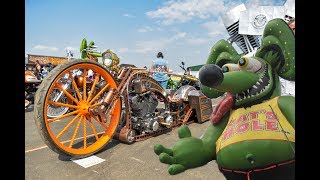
x,y
54,132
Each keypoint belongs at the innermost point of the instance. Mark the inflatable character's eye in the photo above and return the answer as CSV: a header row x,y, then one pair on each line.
x,y
230,67
225,69
250,64
243,62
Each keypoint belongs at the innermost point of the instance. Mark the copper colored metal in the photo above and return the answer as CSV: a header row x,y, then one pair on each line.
x,y
79,81
146,136
122,73
187,116
203,107
107,100
126,135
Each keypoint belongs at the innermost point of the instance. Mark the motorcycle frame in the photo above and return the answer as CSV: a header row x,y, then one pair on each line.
x,y
125,133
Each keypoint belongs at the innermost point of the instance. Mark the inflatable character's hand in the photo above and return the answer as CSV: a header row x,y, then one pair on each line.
x,y
189,152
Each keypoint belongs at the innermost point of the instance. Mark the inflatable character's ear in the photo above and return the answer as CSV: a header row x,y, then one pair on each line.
x,y
82,47
278,48
221,53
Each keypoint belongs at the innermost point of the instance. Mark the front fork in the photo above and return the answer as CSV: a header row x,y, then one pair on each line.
x,y
108,101
126,134
107,105
65,87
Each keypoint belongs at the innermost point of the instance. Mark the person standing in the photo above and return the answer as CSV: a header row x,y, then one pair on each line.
x,y
160,69
188,71
38,70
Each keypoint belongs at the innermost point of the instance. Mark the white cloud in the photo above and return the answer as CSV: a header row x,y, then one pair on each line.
x,y
145,29
215,28
42,47
185,10
123,50
198,41
157,45
128,15
255,3
180,11
159,29
179,36
70,48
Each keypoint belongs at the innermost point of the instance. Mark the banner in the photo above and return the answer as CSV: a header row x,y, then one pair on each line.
x,y
46,59
253,20
233,15
290,8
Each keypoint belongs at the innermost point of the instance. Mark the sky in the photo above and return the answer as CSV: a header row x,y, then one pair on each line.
x,y
136,30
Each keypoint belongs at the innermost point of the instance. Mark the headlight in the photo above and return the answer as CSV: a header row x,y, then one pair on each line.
x,y
107,62
107,59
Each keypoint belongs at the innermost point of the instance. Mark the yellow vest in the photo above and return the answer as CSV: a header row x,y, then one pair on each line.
x,y
256,122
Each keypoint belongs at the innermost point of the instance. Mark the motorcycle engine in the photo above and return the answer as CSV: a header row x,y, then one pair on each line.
x,y
143,108
146,116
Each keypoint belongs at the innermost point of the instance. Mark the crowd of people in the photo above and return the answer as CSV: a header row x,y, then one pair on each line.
x,y
41,71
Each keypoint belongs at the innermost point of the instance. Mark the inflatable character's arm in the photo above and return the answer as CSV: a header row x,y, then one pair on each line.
x,y
287,107
191,152
212,134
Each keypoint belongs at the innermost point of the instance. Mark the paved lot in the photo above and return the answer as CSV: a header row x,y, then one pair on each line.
x,y
122,161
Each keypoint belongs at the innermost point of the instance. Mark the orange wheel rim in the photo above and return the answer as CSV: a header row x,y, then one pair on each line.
x,y
80,132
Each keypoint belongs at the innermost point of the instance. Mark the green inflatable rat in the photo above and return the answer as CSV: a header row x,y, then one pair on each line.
x,y
252,134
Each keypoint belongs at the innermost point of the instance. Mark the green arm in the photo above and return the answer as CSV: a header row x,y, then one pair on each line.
x,y
94,54
287,107
190,152
212,134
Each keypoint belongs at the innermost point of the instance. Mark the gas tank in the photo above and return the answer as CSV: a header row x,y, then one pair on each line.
x,y
29,77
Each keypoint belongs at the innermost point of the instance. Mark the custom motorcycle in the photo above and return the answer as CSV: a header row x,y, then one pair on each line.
x,y
185,79
125,106
31,84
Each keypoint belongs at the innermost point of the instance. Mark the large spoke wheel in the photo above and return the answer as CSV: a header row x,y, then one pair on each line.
x,y
79,132
54,110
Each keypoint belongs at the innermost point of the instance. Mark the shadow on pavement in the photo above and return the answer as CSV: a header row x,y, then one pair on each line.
x,y
109,145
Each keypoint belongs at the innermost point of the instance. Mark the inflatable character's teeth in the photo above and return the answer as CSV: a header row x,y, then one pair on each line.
x,y
254,86
258,83
248,90
260,80
244,97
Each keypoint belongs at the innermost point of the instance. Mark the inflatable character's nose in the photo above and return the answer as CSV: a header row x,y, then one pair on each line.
x,y
210,75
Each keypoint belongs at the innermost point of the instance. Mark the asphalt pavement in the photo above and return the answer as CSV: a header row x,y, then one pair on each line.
x,y
121,161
